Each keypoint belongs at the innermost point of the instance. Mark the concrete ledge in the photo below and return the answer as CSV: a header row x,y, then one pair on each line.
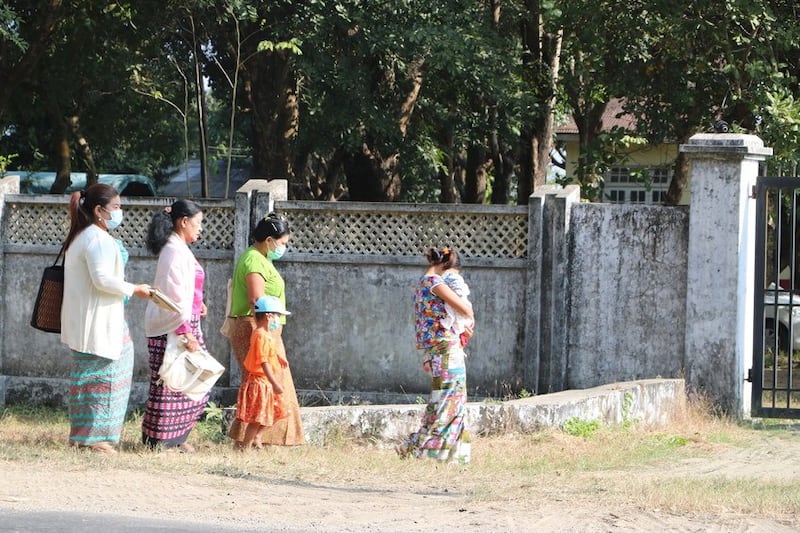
x,y
650,402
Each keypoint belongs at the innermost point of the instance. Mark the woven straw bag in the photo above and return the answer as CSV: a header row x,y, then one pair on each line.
x,y
47,307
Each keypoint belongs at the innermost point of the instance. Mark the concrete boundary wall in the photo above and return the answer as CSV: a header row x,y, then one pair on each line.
x,y
576,296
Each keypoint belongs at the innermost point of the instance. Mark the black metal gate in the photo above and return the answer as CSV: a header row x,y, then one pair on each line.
x,y
776,338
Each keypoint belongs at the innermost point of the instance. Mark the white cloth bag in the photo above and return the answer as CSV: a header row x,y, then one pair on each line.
x,y
191,373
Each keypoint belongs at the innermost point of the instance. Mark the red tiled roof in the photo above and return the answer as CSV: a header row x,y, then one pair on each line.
x,y
609,120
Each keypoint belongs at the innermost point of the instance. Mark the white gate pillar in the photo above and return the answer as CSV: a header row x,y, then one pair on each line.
x,y
720,284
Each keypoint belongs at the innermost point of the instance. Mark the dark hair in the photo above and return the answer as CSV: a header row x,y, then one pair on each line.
x,y
271,225
447,257
164,222
81,208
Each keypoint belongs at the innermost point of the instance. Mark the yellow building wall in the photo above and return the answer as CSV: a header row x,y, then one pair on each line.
x,y
643,155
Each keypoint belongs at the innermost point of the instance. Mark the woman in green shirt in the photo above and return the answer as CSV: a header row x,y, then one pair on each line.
x,y
254,276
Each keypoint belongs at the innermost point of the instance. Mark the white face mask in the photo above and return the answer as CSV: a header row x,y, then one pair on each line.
x,y
116,218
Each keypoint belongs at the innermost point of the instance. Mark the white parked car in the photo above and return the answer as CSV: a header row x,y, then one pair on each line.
x,y
787,310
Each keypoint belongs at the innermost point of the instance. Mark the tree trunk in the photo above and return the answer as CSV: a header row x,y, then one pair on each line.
x,y
371,178
84,149
475,186
680,179
589,120
502,163
541,55
448,193
526,167
272,93
41,33
61,154
202,121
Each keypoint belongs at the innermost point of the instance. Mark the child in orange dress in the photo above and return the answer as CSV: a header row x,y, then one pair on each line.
x,y
259,403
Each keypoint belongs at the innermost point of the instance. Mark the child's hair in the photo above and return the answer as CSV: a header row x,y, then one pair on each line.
x,y
446,257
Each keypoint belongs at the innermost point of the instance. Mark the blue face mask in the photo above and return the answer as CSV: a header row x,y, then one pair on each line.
x,y
277,253
274,324
116,218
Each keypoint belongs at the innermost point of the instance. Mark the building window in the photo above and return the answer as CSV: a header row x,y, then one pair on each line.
x,y
629,185
617,196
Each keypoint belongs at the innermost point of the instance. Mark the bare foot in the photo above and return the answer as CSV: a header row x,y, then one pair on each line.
x,y
103,447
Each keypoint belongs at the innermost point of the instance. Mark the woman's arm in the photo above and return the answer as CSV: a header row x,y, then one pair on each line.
x,y
101,261
255,287
454,300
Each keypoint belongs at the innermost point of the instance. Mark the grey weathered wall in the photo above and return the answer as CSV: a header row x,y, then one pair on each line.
x,y
351,331
627,293
599,299
352,327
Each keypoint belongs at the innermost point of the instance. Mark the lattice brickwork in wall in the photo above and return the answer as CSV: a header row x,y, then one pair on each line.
x,y
42,223
500,233
317,227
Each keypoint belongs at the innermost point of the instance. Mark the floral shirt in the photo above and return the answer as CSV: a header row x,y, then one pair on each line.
x,y
429,310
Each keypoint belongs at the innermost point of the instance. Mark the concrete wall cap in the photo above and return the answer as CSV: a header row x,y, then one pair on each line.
x,y
726,143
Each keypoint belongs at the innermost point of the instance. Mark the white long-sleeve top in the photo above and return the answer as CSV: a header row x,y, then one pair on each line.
x,y
93,311
175,277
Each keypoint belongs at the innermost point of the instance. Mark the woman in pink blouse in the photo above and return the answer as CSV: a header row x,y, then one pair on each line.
x,y
169,416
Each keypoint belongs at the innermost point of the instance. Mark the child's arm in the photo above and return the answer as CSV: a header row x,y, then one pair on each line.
x,y
276,386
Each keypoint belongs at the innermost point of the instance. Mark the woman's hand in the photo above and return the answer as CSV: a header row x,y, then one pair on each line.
x,y
142,291
203,310
190,343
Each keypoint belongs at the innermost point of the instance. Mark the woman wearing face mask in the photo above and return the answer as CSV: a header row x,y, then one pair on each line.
x,y
255,275
93,320
170,416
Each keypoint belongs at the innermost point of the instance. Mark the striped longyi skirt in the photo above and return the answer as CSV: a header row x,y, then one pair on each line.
x,y
98,395
168,416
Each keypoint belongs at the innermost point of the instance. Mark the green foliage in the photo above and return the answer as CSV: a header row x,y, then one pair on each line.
x,y
412,84
580,428
671,441
627,409
292,45
9,28
212,426
5,161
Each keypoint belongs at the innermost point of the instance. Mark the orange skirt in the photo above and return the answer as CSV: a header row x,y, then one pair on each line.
x,y
257,403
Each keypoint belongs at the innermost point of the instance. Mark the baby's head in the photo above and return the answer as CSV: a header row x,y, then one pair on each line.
x,y
268,310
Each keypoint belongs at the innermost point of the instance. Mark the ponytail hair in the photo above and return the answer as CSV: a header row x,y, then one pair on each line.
x,y
164,222
81,208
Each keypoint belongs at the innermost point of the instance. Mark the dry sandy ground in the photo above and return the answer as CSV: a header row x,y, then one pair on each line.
x,y
257,503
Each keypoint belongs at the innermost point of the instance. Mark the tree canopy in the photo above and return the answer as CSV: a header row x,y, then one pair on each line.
x,y
452,101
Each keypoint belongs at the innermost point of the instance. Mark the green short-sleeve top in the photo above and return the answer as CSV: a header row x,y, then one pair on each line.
x,y
253,261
